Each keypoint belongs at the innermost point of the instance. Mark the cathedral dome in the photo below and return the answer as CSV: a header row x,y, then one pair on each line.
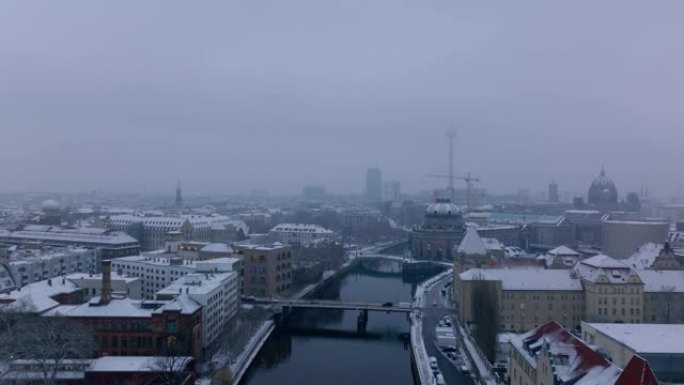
x,y
50,206
443,208
602,191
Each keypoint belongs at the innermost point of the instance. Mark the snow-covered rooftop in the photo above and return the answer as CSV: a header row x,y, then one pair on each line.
x,y
472,244
530,278
645,256
197,284
605,262
564,251
646,338
656,281
80,235
300,228
604,268
126,307
138,364
574,362
217,248
263,247
37,296
98,277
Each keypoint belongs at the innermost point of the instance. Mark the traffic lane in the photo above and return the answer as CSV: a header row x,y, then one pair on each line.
x,y
431,317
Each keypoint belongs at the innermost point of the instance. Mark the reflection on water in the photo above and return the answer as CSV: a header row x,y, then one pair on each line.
x,y
322,346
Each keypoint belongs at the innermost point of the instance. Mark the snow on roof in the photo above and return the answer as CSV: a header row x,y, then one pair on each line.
x,y
662,280
571,358
138,364
217,264
605,262
263,247
217,248
98,277
564,251
300,228
126,307
646,338
37,296
493,244
645,256
154,260
523,219
531,278
81,235
604,268
472,244
197,283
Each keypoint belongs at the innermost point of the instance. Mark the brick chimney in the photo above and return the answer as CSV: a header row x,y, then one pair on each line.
x,y
106,295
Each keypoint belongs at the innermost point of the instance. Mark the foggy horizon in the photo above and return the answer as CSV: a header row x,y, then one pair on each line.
x,y
230,98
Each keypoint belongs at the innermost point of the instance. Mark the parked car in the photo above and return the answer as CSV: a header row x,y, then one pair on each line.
x,y
433,363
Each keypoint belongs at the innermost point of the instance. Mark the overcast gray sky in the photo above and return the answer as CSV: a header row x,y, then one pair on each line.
x,y
228,96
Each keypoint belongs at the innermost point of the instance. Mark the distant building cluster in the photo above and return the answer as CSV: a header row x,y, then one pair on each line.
x,y
153,231
301,234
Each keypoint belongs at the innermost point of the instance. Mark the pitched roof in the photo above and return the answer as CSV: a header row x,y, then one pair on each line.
x,y
563,250
472,244
637,372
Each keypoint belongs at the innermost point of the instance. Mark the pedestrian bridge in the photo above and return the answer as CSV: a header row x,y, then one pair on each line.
x,y
401,307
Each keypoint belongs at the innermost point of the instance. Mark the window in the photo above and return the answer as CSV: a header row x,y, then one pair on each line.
x,y
171,326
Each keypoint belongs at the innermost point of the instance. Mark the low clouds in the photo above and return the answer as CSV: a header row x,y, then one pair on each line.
x,y
230,96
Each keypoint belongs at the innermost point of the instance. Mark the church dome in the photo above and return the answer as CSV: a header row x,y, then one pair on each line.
x,y
602,191
443,208
50,206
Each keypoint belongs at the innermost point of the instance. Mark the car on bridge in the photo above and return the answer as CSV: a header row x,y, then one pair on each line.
x,y
387,304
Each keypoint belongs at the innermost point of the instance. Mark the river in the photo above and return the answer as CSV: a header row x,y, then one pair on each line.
x,y
322,347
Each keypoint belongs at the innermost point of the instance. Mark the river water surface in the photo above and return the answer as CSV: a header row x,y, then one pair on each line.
x,y
322,347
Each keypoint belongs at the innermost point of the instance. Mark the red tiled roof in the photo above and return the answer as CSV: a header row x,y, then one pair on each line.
x,y
637,372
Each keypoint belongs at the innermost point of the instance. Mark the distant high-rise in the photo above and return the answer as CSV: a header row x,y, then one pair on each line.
x,y
391,190
314,191
373,184
179,195
553,192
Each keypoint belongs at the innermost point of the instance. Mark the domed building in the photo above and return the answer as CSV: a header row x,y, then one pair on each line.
x,y
442,229
603,194
51,212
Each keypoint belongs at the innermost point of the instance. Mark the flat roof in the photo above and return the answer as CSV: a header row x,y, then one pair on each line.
x,y
646,338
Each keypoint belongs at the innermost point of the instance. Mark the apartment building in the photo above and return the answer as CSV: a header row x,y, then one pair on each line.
x,y
267,269
217,293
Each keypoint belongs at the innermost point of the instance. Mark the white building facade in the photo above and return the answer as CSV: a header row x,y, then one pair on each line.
x,y
216,292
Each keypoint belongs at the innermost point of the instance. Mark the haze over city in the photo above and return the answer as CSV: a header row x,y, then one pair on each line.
x,y
230,97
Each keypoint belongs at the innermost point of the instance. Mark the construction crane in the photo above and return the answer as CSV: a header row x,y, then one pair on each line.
x,y
451,134
469,179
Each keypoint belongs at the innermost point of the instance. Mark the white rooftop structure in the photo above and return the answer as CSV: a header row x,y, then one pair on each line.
x,y
645,256
563,251
665,281
121,306
301,228
138,364
602,268
531,278
37,296
646,338
85,236
472,244
217,248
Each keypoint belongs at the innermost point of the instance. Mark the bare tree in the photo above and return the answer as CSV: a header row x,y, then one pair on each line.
x,y
46,341
172,367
